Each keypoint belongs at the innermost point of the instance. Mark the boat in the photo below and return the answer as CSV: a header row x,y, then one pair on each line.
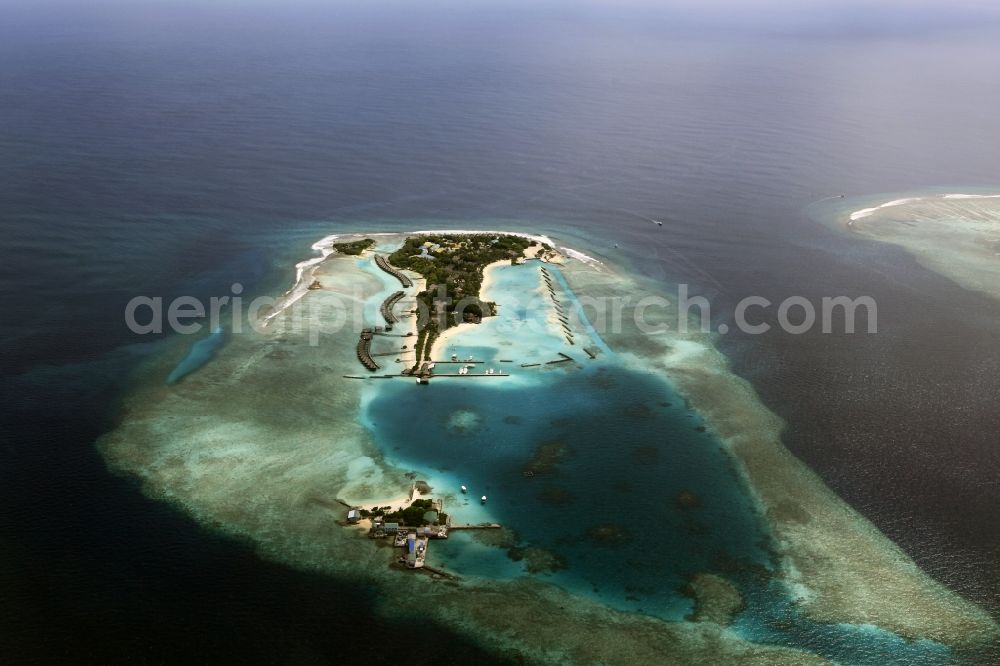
x,y
483,499
464,489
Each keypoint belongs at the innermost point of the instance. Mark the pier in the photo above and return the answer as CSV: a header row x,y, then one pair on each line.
x,y
365,350
566,358
426,371
563,320
386,308
384,264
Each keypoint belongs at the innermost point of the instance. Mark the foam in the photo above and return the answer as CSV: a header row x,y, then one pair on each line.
x,y
303,276
580,256
865,212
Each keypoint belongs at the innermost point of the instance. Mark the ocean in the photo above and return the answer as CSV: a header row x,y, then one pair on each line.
x,y
161,151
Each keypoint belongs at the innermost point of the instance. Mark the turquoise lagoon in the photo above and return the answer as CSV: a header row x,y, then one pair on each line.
x,y
631,495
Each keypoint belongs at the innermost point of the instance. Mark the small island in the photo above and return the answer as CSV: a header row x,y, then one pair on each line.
x,y
354,247
452,266
410,527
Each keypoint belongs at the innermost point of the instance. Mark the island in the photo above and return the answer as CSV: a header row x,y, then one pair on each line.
x,y
354,248
452,267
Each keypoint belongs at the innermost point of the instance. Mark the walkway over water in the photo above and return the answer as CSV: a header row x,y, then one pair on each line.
x,y
387,305
364,350
384,264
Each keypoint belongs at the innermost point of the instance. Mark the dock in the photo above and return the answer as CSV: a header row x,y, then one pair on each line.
x,y
557,305
386,308
364,350
425,372
384,264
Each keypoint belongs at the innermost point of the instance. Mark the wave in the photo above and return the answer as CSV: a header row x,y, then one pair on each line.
x,y
303,276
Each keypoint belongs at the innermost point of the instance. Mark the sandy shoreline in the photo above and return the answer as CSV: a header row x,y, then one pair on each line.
x,y
442,340
489,280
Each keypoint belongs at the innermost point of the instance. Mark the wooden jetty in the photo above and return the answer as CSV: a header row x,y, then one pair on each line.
x,y
364,350
566,358
384,264
455,374
386,308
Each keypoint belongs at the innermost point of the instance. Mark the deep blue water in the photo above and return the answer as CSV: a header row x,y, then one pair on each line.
x,y
627,448
166,151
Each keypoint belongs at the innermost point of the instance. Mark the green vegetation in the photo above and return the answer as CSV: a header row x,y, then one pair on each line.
x,y
354,247
411,516
453,267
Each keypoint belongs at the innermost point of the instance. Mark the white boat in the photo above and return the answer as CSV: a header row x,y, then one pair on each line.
x,y
483,499
464,489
